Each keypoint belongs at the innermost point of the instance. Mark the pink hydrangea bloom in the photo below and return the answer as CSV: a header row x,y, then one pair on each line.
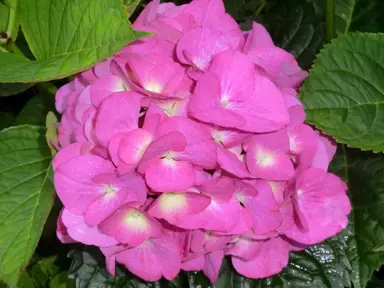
x,y
190,146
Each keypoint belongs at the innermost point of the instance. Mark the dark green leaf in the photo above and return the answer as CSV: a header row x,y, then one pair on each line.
x,y
364,173
35,110
9,89
26,196
67,37
367,16
344,93
7,119
130,6
297,26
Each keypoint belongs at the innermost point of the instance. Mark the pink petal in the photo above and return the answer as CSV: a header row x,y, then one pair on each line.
x,y
322,203
271,259
66,154
230,163
265,110
258,37
131,226
229,138
244,248
205,104
195,264
118,113
200,45
104,87
200,149
212,265
264,209
176,207
73,181
62,97
173,141
153,259
269,164
81,232
167,175
62,232
156,74
133,145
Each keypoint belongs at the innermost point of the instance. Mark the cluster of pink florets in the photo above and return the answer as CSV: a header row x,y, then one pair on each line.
x,y
191,145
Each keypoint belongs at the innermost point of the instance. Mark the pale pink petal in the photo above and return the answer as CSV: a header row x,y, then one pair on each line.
x,y
81,232
118,113
131,226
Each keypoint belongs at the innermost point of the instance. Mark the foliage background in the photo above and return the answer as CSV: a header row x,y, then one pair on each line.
x,y
303,27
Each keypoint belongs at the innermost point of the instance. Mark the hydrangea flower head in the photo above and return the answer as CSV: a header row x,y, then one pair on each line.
x,y
190,146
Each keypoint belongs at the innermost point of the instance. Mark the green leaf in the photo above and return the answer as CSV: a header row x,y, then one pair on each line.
x,y
367,16
344,93
364,173
9,89
61,281
67,37
343,15
35,110
297,26
26,196
6,119
4,15
51,135
130,6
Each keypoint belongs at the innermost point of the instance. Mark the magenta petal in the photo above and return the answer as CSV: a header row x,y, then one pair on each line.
x,y
205,104
153,259
104,87
81,232
73,181
265,110
133,145
167,175
195,264
244,248
131,226
271,259
212,265
321,200
176,207
258,37
200,148
200,44
269,164
103,207
230,163
173,141
65,154
62,97
118,113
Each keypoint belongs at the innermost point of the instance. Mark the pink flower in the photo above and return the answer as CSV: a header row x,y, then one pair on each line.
x,y
190,146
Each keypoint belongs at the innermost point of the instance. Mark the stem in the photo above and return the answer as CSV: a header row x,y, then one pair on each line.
x,y
330,19
261,8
